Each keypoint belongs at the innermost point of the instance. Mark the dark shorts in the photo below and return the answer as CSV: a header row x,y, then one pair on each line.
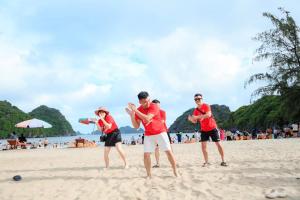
x,y
113,138
214,134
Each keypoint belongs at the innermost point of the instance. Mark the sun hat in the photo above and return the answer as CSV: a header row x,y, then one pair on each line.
x,y
101,109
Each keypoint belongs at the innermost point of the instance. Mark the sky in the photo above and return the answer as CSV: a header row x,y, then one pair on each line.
x,y
78,55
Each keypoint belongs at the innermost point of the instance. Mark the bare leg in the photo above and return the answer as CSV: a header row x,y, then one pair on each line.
x,y
220,149
204,151
121,152
172,161
147,163
106,159
157,156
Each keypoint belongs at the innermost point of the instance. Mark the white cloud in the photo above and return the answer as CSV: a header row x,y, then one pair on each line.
x,y
171,68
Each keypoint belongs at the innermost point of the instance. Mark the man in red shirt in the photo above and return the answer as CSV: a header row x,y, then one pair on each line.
x,y
203,114
163,118
155,133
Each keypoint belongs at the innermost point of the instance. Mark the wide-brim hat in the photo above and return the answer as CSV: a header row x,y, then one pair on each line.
x,y
101,109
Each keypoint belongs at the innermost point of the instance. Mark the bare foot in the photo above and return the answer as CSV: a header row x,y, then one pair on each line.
x,y
175,172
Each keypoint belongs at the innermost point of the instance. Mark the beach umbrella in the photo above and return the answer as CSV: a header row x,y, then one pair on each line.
x,y
33,123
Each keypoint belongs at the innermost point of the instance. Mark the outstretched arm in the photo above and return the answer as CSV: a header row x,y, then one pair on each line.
x,y
135,123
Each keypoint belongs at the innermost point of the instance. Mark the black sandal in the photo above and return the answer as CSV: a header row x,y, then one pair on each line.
x,y
224,164
155,166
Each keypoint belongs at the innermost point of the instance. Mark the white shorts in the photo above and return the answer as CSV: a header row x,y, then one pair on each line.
x,y
161,139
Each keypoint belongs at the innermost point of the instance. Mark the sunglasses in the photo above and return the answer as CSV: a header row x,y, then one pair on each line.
x,y
197,99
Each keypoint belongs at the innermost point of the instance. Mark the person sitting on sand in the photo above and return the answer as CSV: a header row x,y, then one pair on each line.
x,y
203,114
45,143
107,124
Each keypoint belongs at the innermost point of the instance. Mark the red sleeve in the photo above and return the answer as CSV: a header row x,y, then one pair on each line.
x,y
206,108
196,112
163,115
109,119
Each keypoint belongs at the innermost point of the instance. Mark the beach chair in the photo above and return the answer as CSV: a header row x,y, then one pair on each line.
x,y
14,143
79,141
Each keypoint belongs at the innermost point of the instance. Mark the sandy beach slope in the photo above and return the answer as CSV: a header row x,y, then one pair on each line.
x,y
254,168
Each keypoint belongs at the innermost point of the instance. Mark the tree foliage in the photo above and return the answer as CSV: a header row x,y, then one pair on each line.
x,y
262,114
11,115
280,46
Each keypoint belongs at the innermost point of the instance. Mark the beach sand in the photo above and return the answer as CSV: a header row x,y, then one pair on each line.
x,y
254,168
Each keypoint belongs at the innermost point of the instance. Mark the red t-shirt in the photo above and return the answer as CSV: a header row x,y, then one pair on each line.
x,y
207,124
163,118
110,120
155,126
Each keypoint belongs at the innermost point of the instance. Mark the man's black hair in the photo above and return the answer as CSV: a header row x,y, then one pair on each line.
x,y
155,101
143,95
198,94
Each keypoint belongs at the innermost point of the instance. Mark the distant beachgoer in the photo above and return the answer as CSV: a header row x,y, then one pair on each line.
x,y
228,135
187,137
40,143
107,124
148,114
203,114
22,138
133,142
163,118
222,134
254,134
46,142
179,136
13,135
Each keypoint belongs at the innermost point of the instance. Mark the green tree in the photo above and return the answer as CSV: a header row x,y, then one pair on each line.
x,y
280,46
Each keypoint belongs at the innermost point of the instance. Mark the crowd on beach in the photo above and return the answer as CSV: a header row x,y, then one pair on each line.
x,y
291,131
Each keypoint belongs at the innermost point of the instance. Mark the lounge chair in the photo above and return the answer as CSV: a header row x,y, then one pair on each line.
x,y
14,144
79,141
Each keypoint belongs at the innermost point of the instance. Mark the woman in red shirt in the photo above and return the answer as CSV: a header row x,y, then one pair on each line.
x,y
108,126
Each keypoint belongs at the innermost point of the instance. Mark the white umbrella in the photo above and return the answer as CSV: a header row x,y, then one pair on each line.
x,y
33,123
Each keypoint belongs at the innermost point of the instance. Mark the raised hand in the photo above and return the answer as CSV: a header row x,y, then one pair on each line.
x,y
131,106
130,112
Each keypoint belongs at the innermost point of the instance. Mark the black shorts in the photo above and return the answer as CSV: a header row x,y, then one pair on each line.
x,y
214,134
113,138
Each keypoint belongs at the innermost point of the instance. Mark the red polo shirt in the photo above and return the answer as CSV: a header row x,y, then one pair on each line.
x,y
207,124
155,126
109,119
